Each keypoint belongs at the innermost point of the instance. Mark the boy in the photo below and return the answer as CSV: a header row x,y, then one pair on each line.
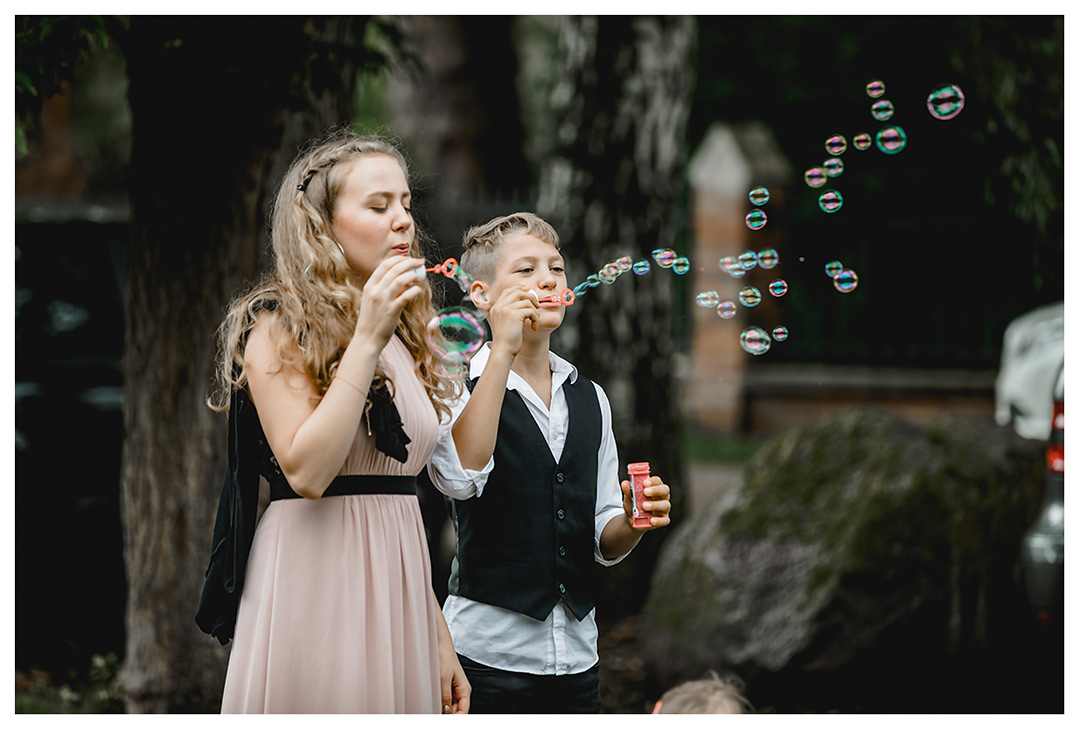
x,y
530,464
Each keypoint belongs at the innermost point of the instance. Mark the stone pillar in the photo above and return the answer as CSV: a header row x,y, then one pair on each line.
x,y
729,162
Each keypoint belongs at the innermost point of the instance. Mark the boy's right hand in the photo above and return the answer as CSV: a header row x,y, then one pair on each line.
x,y
508,316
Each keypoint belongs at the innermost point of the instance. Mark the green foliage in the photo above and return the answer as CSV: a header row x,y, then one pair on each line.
x,y
46,51
97,692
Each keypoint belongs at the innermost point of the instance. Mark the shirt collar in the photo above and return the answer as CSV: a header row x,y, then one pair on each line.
x,y
561,369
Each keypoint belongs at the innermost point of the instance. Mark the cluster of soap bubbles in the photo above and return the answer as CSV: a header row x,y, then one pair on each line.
x,y
844,280
756,218
754,339
665,258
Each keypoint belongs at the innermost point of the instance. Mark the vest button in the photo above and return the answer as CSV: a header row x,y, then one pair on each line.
x,y
560,478
562,550
562,588
561,514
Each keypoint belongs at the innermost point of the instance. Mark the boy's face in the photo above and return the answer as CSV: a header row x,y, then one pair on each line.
x,y
534,264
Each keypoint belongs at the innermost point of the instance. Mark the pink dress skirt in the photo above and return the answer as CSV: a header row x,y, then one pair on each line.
x,y
337,613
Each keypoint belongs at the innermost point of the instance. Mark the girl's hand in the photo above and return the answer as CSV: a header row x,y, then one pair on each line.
x,y
395,282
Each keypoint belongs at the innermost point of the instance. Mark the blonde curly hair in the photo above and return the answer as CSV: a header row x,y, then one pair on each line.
x,y
310,292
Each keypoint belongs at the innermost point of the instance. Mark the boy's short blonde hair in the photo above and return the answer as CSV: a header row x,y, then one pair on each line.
x,y
711,695
482,242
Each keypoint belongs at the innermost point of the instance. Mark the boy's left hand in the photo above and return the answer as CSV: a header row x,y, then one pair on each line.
x,y
657,502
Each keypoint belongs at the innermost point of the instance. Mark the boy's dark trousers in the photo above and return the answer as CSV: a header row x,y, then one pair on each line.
x,y
497,691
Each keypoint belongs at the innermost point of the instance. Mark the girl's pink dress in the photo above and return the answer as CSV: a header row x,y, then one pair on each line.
x,y
337,612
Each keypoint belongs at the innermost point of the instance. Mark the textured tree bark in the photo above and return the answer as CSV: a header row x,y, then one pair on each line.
x,y
219,107
621,101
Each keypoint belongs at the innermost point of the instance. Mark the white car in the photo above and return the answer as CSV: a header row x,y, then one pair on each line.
x,y
1032,355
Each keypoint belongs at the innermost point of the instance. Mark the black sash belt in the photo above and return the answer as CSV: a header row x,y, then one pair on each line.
x,y
352,484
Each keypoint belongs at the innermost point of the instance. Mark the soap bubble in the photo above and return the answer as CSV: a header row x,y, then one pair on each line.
x,y
726,309
708,299
750,296
945,102
729,263
862,141
875,89
882,109
609,273
623,264
756,219
454,335
815,177
680,265
780,333
592,281
747,260
664,257
891,140
759,196
581,289
845,281
755,340
833,166
768,258
641,267
778,288
836,144
833,268
830,201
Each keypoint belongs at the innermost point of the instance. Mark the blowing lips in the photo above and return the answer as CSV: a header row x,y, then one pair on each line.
x,y
400,249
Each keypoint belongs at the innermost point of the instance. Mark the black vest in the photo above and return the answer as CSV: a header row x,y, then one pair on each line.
x,y
527,541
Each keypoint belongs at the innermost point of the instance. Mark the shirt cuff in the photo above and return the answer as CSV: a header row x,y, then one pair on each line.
x,y
602,520
451,478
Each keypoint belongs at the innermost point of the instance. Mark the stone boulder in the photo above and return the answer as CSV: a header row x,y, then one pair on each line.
x,y
864,562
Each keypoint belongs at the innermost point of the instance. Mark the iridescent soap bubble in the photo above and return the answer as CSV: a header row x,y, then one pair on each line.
x,y
945,102
750,296
664,257
709,299
756,219
882,109
833,166
836,144
833,268
755,340
747,260
641,267
862,141
680,265
768,258
830,201
729,263
815,177
780,333
592,281
726,309
778,288
845,281
623,263
608,274
891,140
875,88
759,196
738,272
454,335
581,289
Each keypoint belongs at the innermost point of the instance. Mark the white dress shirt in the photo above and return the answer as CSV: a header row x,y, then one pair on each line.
x,y
499,637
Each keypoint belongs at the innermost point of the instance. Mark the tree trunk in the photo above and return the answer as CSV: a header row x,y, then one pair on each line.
x,y
612,188
216,118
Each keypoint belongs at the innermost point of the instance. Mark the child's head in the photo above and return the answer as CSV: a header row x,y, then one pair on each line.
x,y
711,695
483,243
